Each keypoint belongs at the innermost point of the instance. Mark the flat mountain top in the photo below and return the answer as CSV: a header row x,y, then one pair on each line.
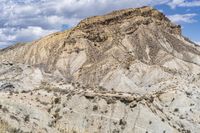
x,y
116,16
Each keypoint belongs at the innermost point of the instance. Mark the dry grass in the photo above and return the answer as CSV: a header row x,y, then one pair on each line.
x,y
3,127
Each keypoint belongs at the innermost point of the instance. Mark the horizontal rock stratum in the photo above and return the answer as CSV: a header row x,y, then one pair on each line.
x,y
128,71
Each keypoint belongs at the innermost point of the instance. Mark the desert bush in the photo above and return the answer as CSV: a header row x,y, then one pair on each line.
x,y
3,127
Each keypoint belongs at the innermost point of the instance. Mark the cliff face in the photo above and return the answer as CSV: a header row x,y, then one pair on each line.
x,y
129,66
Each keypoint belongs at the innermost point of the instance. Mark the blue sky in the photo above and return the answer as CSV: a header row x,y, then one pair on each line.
x,y
28,20
187,17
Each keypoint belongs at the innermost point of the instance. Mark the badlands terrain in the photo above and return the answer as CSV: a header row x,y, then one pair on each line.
x,y
129,71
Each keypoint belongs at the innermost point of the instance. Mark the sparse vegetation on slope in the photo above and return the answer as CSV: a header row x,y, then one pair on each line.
x,y
127,71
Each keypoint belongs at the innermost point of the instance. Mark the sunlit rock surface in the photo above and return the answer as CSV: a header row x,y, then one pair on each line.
x,y
128,71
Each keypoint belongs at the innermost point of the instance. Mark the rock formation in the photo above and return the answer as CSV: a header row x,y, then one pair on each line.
x,y
128,71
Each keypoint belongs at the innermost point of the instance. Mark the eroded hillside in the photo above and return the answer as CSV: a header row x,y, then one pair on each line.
x,y
127,71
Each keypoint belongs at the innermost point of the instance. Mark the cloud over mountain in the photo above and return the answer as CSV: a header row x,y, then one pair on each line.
x,y
42,17
184,3
183,18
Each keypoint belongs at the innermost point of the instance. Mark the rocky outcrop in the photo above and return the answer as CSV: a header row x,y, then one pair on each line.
x,y
127,71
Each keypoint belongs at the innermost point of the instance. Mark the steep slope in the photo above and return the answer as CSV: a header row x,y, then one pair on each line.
x,y
108,45
127,71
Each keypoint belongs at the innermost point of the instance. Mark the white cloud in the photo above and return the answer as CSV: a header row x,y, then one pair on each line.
x,y
198,43
31,33
174,3
184,3
183,18
12,35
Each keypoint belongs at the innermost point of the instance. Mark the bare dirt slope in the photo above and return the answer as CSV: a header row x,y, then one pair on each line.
x,y
128,71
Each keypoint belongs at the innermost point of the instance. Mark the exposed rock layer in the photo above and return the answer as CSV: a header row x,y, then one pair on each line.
x,y
127,71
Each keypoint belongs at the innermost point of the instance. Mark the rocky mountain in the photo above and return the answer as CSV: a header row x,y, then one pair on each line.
x,y
128,71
